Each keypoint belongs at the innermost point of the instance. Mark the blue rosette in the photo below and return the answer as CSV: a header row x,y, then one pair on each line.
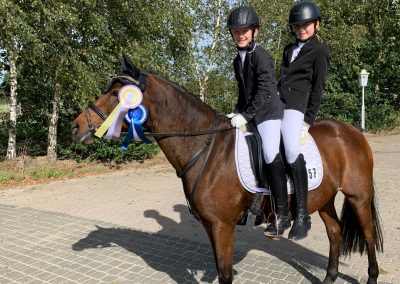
x,y
135,118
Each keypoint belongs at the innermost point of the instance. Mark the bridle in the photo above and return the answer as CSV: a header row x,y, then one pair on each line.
x,y
97,111
141,83
207,145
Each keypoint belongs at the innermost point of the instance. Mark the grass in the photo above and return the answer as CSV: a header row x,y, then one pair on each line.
x,y
26,170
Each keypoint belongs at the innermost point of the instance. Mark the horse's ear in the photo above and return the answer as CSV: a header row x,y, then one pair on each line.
x,y
128,66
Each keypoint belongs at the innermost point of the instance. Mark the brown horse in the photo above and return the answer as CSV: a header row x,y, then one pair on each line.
x,y
200,146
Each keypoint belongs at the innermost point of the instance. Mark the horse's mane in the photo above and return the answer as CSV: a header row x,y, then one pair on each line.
x,y
180,88
128,68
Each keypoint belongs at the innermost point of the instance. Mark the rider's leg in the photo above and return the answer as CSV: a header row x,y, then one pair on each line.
x,y
301,223
292,124
276,176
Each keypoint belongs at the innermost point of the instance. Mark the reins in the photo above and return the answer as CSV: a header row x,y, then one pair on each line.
x,y
188,134
104,116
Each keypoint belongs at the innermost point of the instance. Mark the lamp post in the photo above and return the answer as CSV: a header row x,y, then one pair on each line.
x,y
363,83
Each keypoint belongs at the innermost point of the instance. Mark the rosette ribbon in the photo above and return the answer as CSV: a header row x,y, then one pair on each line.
x,y
135,118
129,97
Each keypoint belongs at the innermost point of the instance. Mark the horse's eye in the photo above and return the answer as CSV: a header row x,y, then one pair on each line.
x,y
114,93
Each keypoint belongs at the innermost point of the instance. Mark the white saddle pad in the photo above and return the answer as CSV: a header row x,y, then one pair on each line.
x,y
246,175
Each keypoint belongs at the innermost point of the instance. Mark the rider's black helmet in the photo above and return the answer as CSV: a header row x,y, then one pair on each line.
x,y
303,12
243,17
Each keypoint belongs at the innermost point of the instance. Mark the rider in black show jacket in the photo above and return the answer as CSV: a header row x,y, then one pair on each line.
x,y
303,71
258,99
302,82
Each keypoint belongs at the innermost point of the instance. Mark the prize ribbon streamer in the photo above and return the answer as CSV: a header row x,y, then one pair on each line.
x,y
129,97
135,117
106,124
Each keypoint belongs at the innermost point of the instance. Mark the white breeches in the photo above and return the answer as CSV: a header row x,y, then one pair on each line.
x,y
292,124
270,132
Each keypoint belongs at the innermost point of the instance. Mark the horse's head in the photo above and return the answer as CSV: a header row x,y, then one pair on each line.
x,y
100,238
85,125
170,108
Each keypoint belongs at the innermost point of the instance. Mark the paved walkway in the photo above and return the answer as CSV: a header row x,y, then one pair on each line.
x,y
127,227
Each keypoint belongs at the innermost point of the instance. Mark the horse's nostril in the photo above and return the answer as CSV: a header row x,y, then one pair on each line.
x,y
75,128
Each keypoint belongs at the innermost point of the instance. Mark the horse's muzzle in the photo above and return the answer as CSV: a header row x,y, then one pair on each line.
x,y
74,129
85,137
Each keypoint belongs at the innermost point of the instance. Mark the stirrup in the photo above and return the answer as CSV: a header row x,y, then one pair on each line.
x,y
276,229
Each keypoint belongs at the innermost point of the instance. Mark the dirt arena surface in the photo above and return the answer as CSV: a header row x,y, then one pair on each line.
x,y
149,198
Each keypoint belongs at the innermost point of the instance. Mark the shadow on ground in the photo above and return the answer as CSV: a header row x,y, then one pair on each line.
x,y
182,259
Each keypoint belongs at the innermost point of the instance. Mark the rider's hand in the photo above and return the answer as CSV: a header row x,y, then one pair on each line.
x,y
238,121
304,133
230,115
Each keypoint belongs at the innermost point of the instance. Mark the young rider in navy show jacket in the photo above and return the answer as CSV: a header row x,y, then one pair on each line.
x,y
258,100
303,72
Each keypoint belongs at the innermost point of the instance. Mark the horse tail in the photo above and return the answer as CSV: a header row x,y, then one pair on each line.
x,y
352,235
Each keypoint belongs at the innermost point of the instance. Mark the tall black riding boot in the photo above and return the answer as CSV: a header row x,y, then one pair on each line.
x,y
302,222
276,176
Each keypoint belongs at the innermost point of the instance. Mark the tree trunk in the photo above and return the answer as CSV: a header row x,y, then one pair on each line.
x,y
203,84
52,135
12,137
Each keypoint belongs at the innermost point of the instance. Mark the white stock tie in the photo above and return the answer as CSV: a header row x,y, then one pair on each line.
x,y
296,51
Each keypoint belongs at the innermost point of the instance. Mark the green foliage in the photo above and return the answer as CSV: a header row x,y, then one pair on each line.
x,y
108,151
379,114
340,106
73,46
38,174
361,35
21,169
6,176
4,106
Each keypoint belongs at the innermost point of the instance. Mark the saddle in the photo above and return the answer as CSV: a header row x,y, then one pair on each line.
x,y
251,170
254,215
257,161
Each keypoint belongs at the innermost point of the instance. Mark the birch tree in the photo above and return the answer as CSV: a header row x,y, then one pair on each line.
x,y
12,137
12,31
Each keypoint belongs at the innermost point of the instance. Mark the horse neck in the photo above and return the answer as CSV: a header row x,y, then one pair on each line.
x,y
174,110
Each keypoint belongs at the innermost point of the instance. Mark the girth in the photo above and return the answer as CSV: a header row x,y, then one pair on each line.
x,y
208,145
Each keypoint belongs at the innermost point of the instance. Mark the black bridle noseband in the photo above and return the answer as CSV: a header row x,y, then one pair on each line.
x,y
97,111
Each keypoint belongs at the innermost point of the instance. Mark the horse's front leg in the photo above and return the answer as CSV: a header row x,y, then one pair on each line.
x,y
221,238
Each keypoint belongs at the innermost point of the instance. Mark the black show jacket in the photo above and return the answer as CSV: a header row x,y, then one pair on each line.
x,y
302,81
258,97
